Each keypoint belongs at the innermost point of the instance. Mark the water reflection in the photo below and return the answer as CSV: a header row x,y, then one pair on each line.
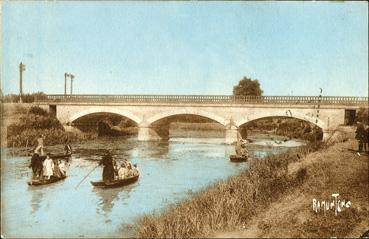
x,y
108,197
36,199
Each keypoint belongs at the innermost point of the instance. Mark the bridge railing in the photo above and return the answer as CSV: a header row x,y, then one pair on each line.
x,y
204,99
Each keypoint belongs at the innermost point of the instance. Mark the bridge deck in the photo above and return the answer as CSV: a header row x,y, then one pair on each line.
x,y
205,99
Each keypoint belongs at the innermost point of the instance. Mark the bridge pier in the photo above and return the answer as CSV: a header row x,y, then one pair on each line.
x,y
147,134
231,132
230,136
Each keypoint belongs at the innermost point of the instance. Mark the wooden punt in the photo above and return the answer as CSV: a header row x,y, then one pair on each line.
x,y
115,183
237,159
37,182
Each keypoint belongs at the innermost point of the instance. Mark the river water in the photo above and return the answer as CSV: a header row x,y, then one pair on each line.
x,y
170,172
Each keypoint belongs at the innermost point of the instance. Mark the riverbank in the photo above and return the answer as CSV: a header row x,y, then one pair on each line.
x,y
335,170
22,124
274,199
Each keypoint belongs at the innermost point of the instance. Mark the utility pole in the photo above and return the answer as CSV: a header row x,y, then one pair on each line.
x,y
65,84
22,68
66,75
71,83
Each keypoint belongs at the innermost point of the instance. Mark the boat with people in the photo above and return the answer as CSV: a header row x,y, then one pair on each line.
x,y
238,158
115,175
242,154
48,169
115,183
38,182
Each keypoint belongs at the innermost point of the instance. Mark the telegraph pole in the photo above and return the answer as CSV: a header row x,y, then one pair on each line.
x,y
71,83
22,68
65,84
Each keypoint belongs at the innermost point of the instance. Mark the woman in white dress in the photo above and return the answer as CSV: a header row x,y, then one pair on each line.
x,y
48,167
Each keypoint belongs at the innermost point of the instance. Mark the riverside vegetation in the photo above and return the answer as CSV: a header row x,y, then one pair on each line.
x,y
232,204
28,124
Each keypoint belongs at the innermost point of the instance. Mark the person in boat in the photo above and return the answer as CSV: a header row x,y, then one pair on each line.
x,y
56,170
244,151
63,168
241,149
108,171
40,145
36,165
116,168
123,171
135,171
48,167
67,149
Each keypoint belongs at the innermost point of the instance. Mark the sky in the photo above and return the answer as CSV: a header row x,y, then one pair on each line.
x,y
192,48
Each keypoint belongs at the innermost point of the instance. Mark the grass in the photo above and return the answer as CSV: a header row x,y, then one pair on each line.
x,y
320,174
226,204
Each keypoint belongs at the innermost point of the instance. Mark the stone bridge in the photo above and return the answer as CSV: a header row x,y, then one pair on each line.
x,y
326,112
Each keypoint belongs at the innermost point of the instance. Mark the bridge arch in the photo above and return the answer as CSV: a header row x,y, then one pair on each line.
x,y
92,110
192,111
293,114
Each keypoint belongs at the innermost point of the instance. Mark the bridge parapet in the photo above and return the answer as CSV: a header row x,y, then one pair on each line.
x,y
204,99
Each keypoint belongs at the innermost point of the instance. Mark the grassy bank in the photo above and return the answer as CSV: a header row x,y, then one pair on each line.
x,y
335,170
24,124
229,203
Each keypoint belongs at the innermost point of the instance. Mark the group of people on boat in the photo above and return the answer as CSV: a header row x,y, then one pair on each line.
x,y
113,171
45,167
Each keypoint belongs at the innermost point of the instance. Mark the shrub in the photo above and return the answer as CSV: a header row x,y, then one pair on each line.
x,y
37,111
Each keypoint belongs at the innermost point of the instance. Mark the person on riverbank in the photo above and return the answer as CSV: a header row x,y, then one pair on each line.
x,y
360,136
40,145
36,165
48,167
108,170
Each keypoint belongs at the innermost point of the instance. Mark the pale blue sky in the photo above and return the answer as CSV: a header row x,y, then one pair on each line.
x,y
186,47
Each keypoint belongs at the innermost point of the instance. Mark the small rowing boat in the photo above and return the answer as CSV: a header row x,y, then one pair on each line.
x,y
37,182
115,183
237,159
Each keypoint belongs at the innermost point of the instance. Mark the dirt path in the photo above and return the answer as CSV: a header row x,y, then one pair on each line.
x,y
336,170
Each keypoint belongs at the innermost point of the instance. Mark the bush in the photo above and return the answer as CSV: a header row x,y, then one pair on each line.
x,y
38,111
26,98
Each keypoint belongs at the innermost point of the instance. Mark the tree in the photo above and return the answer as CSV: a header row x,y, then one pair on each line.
x,y
247,87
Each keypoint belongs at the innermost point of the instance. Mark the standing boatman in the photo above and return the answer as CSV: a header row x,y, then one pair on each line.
x,y
108,170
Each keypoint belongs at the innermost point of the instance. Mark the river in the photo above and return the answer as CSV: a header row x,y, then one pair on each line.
x,y
170,172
